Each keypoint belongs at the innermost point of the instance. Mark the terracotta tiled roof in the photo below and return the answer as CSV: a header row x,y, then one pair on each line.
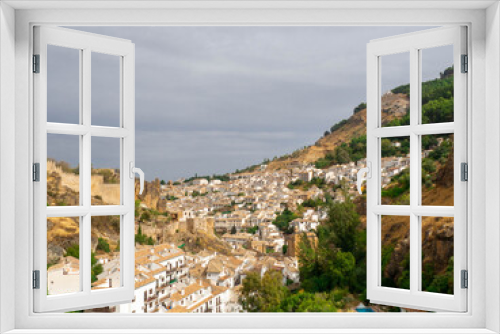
x,y
215,266
187,291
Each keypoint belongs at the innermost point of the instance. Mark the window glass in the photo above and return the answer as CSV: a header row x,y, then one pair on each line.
x,y
106,90
395,170
63,255
63,85
437,254
106,171
105,255
395,99
395,232
63,170
437,84
438,170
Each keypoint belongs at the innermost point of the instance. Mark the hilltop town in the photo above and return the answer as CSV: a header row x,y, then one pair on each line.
x,y
198,239
241,213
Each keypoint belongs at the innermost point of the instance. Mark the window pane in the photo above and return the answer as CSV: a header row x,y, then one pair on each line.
x,y
63,170
437,170
395,83
437,254
105,90
105,171
437,84
63,85
395,251
395,170
63,253
105,252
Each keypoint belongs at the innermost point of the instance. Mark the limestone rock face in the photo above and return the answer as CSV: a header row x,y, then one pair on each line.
x,y
394,105
151,194
446,173
394,268
437,244
62,232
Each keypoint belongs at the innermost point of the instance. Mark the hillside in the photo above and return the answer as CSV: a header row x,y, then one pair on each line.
x,y
346,141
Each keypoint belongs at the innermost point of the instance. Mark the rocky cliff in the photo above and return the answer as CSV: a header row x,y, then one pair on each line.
x,y
151,194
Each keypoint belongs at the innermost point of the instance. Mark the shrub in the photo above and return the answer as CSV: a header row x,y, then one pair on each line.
x,y
103,245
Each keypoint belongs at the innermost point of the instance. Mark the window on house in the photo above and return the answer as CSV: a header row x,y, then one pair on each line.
x,y
267,223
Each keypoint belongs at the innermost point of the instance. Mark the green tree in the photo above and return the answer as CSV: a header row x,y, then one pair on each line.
x,y
233,229
143,239
341,154
342,224
96,269
103,245
308,302
283,220
73,250
438,111
253,229
338,125
263,294
360,107
343,267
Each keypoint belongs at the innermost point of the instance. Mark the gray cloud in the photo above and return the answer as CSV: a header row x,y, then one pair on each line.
x,y
213,99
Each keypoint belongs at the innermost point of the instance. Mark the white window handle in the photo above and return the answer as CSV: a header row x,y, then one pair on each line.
x,y
361,172
133,170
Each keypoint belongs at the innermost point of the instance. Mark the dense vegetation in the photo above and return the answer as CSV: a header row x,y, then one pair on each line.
x,y
339,260
283,220
355,150
102,245
143,239
268,294
437,99
253,230
438,283
302,185
330,274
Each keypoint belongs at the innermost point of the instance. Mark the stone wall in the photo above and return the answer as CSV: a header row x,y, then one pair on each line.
x,y
109,193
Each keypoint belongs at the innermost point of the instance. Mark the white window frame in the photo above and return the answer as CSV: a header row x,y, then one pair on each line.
x,y
86,44
412,45
483,20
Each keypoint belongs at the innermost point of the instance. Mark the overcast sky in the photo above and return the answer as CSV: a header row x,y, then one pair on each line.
x,y
216,99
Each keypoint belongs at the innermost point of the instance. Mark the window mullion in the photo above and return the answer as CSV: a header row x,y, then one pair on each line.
x,y
414,169
85,230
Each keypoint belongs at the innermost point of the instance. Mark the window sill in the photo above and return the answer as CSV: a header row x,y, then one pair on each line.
x,y
253,331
